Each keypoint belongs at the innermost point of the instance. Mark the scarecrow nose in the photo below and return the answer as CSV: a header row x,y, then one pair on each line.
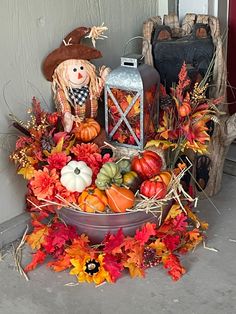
x,y
80,75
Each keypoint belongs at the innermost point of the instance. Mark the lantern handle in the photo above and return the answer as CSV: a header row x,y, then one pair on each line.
x,y
137,37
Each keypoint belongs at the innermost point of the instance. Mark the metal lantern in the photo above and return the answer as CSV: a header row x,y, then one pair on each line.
x,y
131,102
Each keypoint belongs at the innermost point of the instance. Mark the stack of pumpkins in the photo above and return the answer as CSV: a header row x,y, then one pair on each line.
x,y
117,183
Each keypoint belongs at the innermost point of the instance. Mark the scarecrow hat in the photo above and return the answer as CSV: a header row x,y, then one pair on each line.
x,y
71,48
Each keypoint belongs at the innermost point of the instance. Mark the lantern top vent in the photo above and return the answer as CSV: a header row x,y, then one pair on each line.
x,y
132,60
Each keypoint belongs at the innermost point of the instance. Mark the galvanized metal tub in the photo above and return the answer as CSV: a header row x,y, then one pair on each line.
x,y
96,226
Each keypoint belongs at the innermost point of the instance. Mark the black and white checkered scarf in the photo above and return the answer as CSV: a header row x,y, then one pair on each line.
x,y
79,95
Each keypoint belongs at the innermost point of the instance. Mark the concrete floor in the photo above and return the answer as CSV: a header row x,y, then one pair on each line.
x,y
208,287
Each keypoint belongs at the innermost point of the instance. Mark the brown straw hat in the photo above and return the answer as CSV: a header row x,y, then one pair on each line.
x,y
69,49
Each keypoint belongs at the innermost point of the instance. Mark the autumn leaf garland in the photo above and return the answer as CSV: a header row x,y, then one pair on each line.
x,y
180,232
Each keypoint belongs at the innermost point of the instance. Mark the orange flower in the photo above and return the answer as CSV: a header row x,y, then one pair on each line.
x,y
195,132
65,194
58,160
84,149
199,129
43,183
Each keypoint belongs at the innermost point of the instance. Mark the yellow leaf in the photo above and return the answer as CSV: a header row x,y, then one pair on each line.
x,y
165,134
36,238
32,160
176,101
71,144
27,172
136,106
134,270
174,212
195,235
204,225
152,143
57,149
159,247
78,266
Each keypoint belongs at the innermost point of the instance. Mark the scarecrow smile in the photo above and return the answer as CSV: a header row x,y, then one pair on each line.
x,y
78,84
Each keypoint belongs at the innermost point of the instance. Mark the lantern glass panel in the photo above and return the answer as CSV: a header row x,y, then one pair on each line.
x,y
124,116
150,110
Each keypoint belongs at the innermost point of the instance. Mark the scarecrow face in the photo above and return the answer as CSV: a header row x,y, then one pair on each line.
x,y
75,73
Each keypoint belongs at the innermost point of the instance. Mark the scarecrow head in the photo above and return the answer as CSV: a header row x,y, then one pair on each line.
x,y
68,59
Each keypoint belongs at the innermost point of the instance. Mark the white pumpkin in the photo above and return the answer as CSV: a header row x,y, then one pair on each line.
x,y
76,176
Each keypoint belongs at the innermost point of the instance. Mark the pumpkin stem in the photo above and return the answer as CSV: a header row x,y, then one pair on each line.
x,y
77,171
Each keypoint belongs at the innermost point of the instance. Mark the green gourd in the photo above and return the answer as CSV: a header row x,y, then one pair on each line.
x,y
109,174
124,165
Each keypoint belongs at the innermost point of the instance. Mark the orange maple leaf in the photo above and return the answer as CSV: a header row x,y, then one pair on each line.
x,y
79,248
37,237
194,235
134,270
61,264
136,255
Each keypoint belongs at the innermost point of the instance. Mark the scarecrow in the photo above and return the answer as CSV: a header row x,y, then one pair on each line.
x,y
76,85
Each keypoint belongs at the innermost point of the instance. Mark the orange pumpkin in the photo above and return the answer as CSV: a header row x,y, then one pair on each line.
x,y
93,200
87,130
165,177
184,109
119,198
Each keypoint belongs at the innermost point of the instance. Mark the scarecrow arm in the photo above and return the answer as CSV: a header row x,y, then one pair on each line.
x,y
61,102
64,108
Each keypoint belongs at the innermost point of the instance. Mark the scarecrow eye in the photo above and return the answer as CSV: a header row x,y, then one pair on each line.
x,y
75,70
81,68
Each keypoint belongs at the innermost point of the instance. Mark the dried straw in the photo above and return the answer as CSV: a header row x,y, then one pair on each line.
x,y
175,189
143,203
17,255
2,256
209,248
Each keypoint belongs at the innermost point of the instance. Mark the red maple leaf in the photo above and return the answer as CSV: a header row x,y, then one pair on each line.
x,y
113,242
145,233
172,242
129,243
180,223
164,229
38,258
113,266
175,269
59,236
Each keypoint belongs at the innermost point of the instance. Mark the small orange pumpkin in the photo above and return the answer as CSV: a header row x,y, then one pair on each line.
x,y
119,198
184,109
165,177
93,200
87,130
